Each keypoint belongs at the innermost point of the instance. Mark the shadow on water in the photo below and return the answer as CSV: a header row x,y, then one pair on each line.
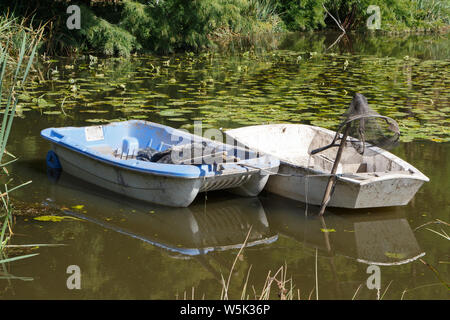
x,y
215,224
382,238
208,229
222,222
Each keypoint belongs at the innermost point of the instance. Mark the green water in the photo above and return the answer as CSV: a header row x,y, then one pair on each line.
x,y
133,250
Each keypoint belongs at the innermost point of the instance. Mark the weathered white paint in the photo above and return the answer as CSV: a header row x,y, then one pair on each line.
x,y
375,180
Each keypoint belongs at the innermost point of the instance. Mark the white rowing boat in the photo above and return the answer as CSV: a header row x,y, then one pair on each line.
x,y
379,179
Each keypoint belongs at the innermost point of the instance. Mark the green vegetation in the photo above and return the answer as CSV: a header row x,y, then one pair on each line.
x,y
402,77
403,15
302,15
165,26
11,81
304,81
128,26
12,30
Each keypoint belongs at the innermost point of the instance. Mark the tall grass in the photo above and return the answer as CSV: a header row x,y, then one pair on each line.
x,y
12,30
433,10
13,74
283,286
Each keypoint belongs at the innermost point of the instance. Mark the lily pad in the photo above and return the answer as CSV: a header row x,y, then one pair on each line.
x,y
55,218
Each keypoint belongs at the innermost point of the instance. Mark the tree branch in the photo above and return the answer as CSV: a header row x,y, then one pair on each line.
x,y
339,25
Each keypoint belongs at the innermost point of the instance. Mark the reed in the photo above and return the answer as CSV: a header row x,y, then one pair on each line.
x,y
226,285
443,234
11,35
12,82
283,286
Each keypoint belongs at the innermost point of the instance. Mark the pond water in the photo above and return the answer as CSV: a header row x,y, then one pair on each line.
x,y
131,250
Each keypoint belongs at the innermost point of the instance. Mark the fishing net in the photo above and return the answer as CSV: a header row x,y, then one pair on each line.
x,y
362,128
365,128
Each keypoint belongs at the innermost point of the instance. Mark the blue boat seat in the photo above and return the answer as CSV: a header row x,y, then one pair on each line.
x,y
130,146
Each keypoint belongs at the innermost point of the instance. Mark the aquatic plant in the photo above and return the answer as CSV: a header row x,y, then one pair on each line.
x,y
402,77
13,81
284,286
12,29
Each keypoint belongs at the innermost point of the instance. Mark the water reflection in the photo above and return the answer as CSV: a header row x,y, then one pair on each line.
x,y
382,238
223,221
215,224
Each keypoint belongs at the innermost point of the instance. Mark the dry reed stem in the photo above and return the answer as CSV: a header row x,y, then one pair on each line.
x,y
234,263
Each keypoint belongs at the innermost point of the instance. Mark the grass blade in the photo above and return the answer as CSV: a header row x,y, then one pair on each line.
x,y
35,245
30,62
18,258
21,55
16,187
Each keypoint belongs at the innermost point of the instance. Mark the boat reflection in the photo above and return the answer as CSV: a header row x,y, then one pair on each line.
x,y
215,224
222,222
381,238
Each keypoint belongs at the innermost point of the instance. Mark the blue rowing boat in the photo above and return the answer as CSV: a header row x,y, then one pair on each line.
x,y
156,163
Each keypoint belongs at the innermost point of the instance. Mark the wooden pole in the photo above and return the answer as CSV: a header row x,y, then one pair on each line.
x,y
332,179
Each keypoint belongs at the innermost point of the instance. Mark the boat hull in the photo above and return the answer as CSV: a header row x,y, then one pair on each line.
x,y
378,179
108,156
394,191
160,189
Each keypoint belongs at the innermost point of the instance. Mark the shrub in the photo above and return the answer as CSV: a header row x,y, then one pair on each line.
x,y
103,36
126,26
178,24
302,14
